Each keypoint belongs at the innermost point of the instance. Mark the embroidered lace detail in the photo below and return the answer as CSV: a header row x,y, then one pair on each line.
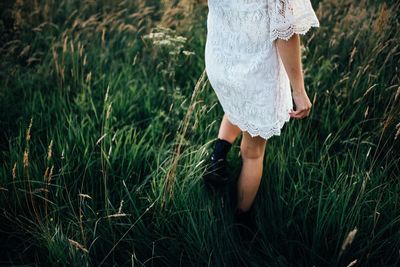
x,y
289,17
265,132
292,29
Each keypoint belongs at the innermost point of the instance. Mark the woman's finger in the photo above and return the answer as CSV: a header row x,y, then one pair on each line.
x,y
298,114
304,113
298,111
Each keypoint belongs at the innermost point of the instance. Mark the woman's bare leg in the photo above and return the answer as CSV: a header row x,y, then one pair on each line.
x,y
252,151
227,130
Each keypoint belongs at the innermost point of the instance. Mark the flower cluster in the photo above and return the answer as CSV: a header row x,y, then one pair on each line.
x,y
166,38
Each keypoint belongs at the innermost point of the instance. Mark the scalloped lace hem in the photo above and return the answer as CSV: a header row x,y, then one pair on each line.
x,y
292,29
265,133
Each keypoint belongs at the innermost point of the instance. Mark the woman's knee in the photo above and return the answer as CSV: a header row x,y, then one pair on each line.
x,y
252,148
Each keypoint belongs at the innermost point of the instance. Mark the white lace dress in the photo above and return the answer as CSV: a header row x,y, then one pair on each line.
x,y
243,65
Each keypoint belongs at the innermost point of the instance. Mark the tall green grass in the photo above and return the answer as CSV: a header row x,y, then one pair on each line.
x,y
105,133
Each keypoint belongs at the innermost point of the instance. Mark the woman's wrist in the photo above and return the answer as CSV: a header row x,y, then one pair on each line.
x,y
298,87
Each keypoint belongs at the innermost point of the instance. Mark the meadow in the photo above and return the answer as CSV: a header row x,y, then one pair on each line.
x,y
107,120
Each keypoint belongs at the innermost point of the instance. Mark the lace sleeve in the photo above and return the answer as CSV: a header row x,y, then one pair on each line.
x,y
290,16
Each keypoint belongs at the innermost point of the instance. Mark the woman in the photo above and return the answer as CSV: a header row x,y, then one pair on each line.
x,y
253,58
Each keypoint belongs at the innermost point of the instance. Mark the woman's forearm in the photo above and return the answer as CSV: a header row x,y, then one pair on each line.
x,y
290,54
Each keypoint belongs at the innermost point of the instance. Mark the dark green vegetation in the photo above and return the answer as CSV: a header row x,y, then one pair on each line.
x,y
104,135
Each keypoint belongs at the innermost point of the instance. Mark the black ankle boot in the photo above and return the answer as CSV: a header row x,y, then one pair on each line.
x,y
217,173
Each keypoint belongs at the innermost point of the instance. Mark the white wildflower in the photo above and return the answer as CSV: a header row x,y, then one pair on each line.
x,y
188,53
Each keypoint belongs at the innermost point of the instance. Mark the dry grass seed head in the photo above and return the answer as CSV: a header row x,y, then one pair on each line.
x,y
349,239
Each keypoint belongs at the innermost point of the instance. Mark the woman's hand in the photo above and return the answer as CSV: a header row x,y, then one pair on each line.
x,y
302,103
290,53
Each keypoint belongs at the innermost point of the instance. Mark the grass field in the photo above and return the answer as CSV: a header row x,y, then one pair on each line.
x,y
107,119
